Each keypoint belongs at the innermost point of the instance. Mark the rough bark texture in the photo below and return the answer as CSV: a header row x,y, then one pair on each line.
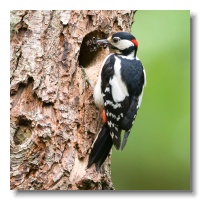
x,y
53,124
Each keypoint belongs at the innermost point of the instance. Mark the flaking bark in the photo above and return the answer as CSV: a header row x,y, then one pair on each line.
x,y
53,119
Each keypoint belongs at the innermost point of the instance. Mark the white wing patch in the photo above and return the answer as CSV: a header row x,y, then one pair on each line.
x,y
119,89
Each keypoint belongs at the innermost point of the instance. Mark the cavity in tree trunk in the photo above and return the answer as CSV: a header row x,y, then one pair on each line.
x,y
53,118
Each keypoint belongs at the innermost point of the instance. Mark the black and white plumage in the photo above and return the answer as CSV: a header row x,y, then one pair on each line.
x,y
118,91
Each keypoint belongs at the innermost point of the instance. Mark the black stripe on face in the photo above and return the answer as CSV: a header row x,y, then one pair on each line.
x,y
128,51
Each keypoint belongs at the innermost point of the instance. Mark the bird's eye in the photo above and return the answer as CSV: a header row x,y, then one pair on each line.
x,y
116,39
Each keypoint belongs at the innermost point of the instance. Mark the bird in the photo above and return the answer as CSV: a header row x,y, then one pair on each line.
x,y
118,94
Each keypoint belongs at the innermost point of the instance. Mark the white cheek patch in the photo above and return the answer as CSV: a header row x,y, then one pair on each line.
x,y
123,44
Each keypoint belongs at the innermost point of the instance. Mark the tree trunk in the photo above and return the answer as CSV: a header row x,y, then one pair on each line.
x,y
53,118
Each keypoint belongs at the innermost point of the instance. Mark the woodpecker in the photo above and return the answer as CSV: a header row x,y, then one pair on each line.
x,y
118,93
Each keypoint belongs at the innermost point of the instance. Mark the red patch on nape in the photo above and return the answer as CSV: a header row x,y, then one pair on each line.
x,y
135,42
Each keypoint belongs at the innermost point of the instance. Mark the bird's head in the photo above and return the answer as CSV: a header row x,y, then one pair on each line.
x,y
122,43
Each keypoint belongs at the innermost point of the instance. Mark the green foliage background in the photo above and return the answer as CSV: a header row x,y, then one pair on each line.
x,y
157,154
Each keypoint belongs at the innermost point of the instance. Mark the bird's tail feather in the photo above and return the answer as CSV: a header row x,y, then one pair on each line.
x,y
126,134
101,147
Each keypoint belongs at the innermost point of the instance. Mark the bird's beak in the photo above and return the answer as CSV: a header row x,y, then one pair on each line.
x,y
102,43
105,41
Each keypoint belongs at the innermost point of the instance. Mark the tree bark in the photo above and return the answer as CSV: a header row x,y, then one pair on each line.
x,y
53,118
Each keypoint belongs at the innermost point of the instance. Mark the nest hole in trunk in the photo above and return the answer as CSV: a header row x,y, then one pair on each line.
x,y
23,132
86,57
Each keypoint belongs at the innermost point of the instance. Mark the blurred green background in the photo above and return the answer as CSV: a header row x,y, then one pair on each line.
x,y
157,154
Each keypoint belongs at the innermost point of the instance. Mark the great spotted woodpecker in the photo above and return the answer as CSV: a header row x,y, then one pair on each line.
x,y
118,92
